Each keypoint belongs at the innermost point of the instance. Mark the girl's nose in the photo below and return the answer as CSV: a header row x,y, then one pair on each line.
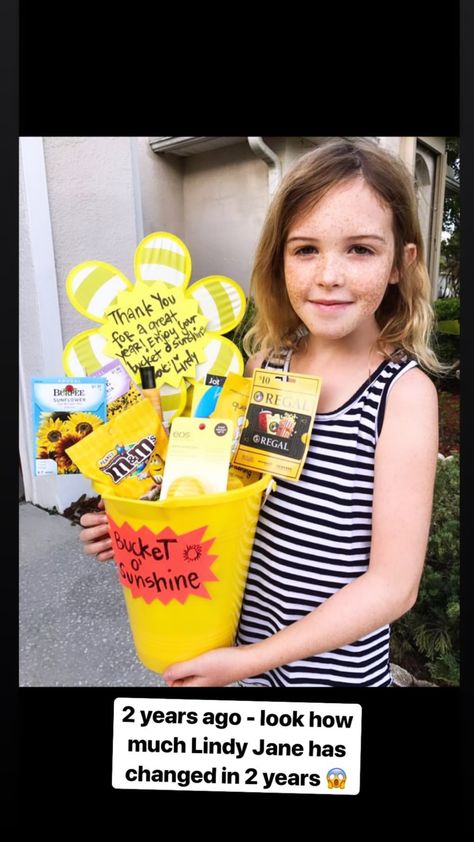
x,y
329,271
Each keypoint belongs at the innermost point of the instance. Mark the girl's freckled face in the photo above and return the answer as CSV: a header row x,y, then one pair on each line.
x,y
338,261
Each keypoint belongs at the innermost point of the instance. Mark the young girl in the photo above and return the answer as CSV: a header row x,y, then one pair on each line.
x,y
342,292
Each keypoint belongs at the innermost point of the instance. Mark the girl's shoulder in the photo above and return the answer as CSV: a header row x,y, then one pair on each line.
x,y
391,368
255,361
409,397
402,367
414,385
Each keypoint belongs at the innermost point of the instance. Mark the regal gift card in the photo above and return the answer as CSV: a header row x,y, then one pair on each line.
x,y
277,427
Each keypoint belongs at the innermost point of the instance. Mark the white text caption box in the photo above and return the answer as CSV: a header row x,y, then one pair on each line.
x,y
238,746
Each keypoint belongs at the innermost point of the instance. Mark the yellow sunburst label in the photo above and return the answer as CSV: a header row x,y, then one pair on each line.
x,y
153,324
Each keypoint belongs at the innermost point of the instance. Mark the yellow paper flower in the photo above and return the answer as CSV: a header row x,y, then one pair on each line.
x,y
159,321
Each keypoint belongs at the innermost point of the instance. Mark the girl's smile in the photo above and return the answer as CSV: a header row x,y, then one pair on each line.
x,y
328,306
339,261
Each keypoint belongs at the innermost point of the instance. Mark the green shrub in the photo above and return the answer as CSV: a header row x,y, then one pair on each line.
x,y
446,309
237,335
446,347
449,426
445,339
428,635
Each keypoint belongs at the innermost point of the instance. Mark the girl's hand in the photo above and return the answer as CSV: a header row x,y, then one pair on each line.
x,y
212,669
95,535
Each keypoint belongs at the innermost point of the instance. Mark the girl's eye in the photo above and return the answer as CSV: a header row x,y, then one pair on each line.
x,y
306,250
361,250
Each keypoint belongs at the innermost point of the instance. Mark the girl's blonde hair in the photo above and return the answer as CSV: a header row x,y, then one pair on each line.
x,y
405,315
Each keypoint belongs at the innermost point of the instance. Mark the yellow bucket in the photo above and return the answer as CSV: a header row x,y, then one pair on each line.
x,y
183,563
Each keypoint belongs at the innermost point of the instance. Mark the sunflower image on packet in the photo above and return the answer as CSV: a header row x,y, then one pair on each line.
x,y
124,456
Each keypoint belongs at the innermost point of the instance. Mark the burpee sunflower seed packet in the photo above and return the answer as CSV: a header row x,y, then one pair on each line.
x,y
65,410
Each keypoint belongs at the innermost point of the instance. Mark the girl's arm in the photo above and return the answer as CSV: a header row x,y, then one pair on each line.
x,y
405,467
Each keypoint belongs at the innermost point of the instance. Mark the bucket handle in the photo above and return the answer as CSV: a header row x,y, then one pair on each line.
x,y
271,486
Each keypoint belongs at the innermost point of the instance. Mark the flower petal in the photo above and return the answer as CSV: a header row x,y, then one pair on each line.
x,y
222,357
93,286
163,257
173,400
85,353
221,300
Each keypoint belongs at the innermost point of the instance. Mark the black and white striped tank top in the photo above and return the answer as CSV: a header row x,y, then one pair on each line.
x,y
313,537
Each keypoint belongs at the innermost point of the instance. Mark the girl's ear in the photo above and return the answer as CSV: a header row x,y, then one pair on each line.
x,y
395,276
409,256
